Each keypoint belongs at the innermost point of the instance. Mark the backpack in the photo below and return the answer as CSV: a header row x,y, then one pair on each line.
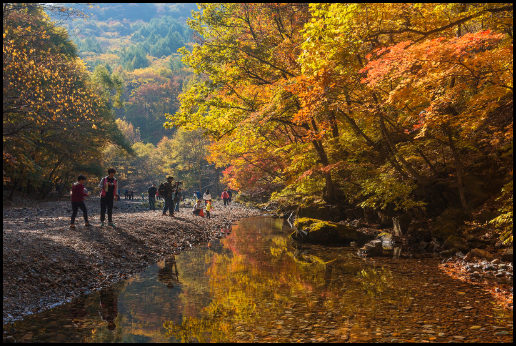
x,y
162,190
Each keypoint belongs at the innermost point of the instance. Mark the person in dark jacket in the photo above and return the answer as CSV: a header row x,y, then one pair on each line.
x,y
108,188
169,201
152,197
78,192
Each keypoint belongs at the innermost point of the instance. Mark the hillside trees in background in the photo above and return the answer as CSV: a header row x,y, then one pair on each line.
x,y
141,52
183,156
55,120
134,64
186,155
150,94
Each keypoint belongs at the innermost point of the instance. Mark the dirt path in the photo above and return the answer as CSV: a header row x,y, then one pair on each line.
x,y
46,263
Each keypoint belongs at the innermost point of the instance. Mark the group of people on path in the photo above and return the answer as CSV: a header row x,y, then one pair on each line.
x,y
128,194
171,192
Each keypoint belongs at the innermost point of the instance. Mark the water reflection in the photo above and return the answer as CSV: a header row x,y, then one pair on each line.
x,y
169,274
108,306
255,284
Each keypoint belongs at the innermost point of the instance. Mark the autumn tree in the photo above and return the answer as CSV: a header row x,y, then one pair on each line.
x,y
248,53
382,163
55,120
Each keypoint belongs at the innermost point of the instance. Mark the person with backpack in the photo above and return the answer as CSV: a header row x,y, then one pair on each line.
x,y
206,197
152,197
225,197
162,191
168,194
108,187
78,193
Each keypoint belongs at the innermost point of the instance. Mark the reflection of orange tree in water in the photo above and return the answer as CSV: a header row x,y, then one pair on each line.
x,y
259,276
253,283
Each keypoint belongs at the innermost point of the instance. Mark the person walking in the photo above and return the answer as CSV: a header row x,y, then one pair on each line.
x,y
225,197
152,197
206,197
78,194
157,195
108,187
169,201
125,193
177,197
230,194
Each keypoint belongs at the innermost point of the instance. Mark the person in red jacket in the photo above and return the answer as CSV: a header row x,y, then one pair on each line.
x,y
225,197
78,192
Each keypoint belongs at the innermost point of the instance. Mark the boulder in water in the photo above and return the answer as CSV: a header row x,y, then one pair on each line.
x,y
507,255
325,232
481,254
456,242
373,248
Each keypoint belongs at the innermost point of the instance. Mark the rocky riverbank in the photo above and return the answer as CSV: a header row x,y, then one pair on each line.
x,y
477,266
46,263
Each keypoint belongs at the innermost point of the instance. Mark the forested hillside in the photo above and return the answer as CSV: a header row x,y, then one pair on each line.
x,y
129,55
139,43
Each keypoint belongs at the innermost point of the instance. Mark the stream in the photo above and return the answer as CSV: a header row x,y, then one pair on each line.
x,y
258,285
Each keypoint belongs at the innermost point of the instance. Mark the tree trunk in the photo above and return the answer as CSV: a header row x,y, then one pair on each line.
x,y
460,172
200,176
45,188
378,148
395,153
15,186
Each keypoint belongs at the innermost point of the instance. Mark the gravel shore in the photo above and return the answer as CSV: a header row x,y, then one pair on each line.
x,y
46,263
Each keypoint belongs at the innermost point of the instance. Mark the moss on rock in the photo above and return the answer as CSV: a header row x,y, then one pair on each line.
x,y
304,222
324,232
